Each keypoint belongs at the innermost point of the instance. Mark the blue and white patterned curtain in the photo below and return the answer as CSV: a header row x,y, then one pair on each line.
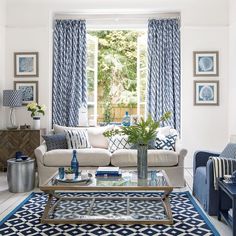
x,y
69,91
163,87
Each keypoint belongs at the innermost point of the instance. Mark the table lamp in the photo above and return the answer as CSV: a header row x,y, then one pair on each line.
x,y
12,99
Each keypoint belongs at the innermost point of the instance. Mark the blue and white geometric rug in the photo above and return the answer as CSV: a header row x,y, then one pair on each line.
x,y
189,219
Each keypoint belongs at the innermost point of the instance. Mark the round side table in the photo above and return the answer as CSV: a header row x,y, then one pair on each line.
x,y
20,175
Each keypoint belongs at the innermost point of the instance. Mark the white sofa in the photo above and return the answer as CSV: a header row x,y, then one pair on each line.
x,y
90,158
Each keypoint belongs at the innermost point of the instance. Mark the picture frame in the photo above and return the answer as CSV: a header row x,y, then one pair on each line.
x,y
206,63
206,92
26,64
29,90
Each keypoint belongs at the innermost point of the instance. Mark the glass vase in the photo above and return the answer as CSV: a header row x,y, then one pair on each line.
x,y
142,161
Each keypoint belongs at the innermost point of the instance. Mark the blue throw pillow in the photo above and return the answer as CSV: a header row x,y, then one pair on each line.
x,y
56,141
166,143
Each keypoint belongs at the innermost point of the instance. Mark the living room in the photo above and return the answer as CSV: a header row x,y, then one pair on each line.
x,y
204,26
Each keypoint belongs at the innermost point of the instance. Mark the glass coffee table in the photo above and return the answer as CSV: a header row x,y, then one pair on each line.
x,y
64,207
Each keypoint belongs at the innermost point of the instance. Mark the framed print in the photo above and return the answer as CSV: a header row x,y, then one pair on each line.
x,y
206,92
26,64
206,63
29,90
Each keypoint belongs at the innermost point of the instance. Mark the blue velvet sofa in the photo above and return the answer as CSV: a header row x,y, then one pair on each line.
x,y
203,183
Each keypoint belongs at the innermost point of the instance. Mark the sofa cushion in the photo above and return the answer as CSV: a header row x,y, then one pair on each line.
x,y
61,129
56,141
95,134
165,143
96,137
77,139
126,158
118,142
86,157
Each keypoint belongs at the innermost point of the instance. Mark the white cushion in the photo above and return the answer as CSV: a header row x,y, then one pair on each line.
x,y
86,157
126,158
95,134
60,129
164,130
96,137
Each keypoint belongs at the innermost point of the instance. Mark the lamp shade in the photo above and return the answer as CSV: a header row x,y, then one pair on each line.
x,y
12,98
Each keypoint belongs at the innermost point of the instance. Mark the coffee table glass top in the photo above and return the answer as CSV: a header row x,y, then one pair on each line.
x,y
128,179
109,205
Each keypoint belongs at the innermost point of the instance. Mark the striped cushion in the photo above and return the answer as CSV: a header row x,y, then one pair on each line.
x,y
77,139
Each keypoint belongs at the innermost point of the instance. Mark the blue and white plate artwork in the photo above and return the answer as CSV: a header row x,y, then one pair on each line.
x,y
205,64
206,93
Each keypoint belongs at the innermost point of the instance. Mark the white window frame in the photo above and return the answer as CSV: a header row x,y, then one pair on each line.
x,y
142,40
95,70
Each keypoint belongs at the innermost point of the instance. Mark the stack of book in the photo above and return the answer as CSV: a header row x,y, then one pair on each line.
x,y
108,172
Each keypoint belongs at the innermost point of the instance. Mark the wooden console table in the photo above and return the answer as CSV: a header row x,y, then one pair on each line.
x,y
12,141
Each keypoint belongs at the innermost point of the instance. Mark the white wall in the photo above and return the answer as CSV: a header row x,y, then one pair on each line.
x,y
204,27
2,55
232,68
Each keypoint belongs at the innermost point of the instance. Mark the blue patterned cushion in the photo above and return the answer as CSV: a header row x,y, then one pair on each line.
x,y
118,142
77,139
229,151
166,142
56,141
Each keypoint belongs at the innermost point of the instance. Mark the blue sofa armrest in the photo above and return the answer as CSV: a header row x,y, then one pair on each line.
x,y
212,194
200,158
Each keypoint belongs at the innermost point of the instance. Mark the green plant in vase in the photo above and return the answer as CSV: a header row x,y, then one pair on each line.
x,y
69,173
141,134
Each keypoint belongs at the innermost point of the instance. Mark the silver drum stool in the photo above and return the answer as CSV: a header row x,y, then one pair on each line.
x,y
20,175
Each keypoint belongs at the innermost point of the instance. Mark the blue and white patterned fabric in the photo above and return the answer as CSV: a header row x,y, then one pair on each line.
x,y
118,142
69,91
77,139
163,87
166,142
229,151
189,219
12,98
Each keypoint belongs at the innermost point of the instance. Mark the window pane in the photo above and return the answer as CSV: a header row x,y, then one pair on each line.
x,y
90,111
90,79
142,109
143,56
143,80
90,59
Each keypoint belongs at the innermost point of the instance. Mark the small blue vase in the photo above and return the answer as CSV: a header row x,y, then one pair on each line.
x,y
126,119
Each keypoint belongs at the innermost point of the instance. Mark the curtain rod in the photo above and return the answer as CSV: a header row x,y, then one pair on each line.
x,y
116,17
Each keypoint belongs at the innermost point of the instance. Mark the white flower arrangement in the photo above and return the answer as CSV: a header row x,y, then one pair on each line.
x,y
36,109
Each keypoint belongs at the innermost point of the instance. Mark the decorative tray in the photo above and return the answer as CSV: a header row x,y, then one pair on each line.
x,y
81,179
229,181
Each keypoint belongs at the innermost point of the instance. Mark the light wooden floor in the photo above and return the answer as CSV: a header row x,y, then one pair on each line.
x,y
8,201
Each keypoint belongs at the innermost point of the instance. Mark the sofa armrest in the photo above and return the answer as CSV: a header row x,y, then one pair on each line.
x,y
182,152
200,158
40,151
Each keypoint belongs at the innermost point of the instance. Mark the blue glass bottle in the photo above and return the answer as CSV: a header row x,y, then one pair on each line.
x,y
126,119
75,164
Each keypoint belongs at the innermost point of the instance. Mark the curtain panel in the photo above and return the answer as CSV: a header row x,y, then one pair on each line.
x,y
164,82
69,89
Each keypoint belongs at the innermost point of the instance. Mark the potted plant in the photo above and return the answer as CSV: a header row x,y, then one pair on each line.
x,y
141,134
69,174
36,110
